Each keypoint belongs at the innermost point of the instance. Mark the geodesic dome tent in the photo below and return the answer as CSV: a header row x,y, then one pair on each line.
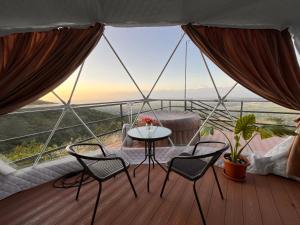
x,y
61,25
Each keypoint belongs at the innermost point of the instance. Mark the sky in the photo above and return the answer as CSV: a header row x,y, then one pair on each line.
x,y
144,52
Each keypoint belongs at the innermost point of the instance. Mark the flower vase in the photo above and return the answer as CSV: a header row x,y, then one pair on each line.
x,y
148,126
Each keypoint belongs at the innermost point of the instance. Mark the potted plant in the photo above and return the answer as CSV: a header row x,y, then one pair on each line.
x,y
235,164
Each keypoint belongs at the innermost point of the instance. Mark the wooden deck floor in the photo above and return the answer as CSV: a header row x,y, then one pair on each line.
x,y
267,200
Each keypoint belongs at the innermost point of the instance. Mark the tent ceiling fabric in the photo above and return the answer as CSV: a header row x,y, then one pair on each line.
x,y
20,15
37,15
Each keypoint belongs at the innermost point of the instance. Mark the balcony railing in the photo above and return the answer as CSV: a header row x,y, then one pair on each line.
x,y
119,116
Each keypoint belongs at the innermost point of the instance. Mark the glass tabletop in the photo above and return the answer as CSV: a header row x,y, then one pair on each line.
x,y
149,133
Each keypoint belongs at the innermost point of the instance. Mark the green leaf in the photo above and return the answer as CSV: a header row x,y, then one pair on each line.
x,y
248,132
207,131
246,126
267,131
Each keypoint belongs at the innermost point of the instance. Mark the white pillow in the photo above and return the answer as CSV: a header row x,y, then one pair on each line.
x,y
5,169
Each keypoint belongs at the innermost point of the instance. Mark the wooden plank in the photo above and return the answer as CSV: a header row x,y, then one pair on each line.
x,y
205,188
23,197
116,196
251,211
67,205
234,205
181,211
170,200
267,200
41,211
37,204
283,202
148,206
267,206
147,202
293,189
217,209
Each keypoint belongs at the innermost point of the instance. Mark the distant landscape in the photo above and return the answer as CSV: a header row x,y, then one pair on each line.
x,y
22,124
29,123
40,102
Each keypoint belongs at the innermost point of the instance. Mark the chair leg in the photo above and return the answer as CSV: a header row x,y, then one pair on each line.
x,y
97,202
80,183
198,203
165,182
219,187
131,184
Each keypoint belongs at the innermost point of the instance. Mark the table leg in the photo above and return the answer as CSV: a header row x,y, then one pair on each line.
x,y
149,165
142,161
158,163
150,153
152,162
138,166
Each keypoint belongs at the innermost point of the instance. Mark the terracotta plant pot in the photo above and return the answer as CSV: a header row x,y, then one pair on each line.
x,y
235,171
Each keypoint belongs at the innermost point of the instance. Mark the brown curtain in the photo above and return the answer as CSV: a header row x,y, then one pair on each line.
x,y
34,63
263,61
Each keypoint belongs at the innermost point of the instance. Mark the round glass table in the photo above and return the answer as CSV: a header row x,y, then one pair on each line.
x,y
149,134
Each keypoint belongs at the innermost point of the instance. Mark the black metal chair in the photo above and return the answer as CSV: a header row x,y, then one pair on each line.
x,y
193,167
100,168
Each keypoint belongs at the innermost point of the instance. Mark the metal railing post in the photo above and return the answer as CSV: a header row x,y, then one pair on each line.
x,y
185,69
241,110
121,114
170,106
161,105
191,106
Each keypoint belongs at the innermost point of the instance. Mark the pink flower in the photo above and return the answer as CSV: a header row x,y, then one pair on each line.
x,y
147,119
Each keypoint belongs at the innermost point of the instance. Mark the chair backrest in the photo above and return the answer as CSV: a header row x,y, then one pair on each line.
x,y
214,155
217,154
81,158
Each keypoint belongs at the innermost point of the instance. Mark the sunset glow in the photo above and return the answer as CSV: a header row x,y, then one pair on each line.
x,y
144,51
